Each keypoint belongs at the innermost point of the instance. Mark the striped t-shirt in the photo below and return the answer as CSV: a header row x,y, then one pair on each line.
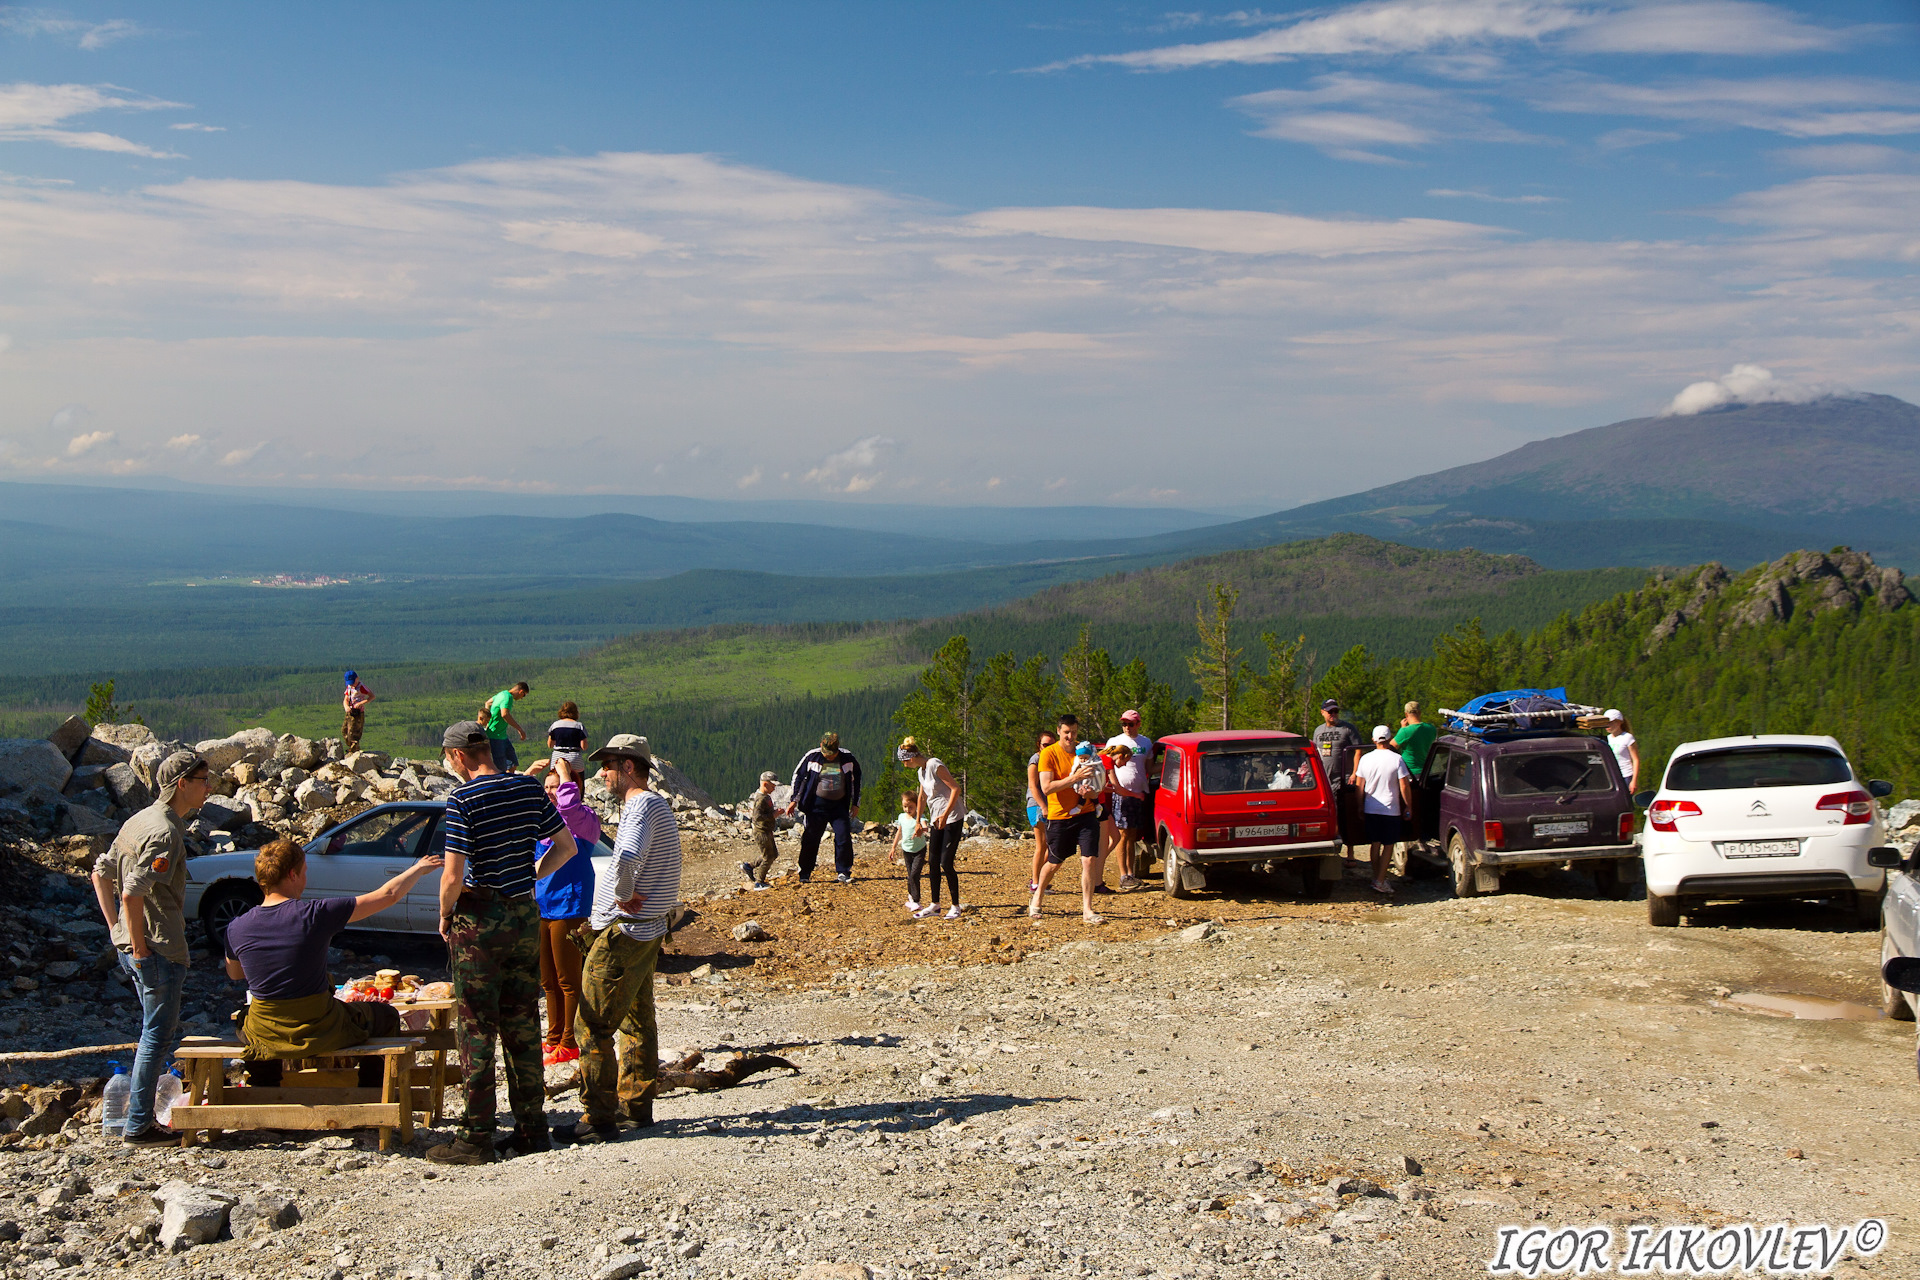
x,y
493,821
646,861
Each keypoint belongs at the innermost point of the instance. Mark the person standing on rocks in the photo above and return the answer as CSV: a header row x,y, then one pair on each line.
x,y
564,899
1386,791
497,715
631,909
826,788
353,707
492,928
567,739
941,804
760,814
141,884
1338,741
1073,819
1037,811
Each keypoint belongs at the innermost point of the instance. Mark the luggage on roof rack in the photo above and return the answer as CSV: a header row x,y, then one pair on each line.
x,y
1522,713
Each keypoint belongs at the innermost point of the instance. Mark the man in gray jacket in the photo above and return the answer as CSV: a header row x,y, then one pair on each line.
x,y
141,884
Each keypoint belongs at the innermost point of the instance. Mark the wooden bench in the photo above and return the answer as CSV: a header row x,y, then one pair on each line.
x,y
309,1098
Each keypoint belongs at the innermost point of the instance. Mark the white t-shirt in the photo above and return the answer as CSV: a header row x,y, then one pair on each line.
x,y
1622,744
1380,773
939,795
1133,774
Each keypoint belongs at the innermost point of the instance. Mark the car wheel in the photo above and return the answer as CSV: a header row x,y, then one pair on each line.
x,y
225,903
1461,862
1893,1003
1170,859
1866,909
1662,912
1312,887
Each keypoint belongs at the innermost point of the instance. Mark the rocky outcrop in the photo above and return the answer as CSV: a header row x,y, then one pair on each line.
x,y
1813,582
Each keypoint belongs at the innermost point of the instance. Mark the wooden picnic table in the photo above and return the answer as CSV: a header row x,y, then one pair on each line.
x,y
316,1094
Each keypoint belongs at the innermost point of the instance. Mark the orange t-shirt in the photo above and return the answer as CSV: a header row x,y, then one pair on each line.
x,y
1058,760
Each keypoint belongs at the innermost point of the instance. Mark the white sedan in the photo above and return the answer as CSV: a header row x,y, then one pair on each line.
x,y
1770,815
356,857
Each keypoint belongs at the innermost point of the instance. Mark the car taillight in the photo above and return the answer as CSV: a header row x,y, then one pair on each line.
x,y
1214,833
1496,835
1626,825
1857,805
1665,813
1312,828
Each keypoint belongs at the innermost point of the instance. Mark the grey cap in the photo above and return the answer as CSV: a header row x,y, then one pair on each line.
x,y
629,746
167,777
768,775
467,735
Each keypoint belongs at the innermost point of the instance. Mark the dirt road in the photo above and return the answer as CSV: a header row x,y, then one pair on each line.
x,y
1067,1100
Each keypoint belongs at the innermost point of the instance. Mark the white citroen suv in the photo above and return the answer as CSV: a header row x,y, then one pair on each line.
x,y
1773,815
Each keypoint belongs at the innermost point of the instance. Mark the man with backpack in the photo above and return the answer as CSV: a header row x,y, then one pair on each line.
x,y
826,788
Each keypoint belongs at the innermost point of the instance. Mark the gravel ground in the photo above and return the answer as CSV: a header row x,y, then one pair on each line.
x,y
1330,1089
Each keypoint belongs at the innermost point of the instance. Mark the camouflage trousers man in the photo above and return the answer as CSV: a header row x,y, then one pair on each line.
x,y
351,726
616,995
769,854
495,958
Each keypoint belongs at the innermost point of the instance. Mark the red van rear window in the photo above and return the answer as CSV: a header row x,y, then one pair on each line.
x,y
1256,766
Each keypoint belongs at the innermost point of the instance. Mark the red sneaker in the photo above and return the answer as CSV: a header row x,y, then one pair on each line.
x,y
564,1054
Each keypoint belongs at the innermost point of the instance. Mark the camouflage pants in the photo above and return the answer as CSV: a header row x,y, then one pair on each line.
x,y
495,958
350,726
616,993
769,854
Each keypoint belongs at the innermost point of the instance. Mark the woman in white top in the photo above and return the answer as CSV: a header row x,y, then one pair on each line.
x,y
1625,748
941,812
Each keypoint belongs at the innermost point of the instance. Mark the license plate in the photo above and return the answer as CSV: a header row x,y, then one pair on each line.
x,y
1560,828
1261,833
1759,848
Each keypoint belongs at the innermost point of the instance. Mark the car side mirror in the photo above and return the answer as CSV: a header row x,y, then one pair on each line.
x,y
1641,799
1902,973
1879,790
1886,858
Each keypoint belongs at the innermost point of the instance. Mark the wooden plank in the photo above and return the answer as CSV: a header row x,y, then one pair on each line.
x,y
422,1097
438,1039
231,1116
321,1078
204,1048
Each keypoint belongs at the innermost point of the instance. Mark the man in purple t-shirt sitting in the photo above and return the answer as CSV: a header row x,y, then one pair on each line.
x,y
280,949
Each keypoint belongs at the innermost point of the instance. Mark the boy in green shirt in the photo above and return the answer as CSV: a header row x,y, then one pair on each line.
x,y
496,715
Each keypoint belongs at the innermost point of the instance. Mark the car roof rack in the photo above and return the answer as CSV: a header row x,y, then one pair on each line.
x,y
1524,713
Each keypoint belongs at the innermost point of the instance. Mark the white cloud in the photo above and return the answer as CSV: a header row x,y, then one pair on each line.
x,y
195,126
852,469
1744,384
1798,106
91,36
594,238
184,441
1393,27
1344,114
1625,139
1847,157
235,457
1448,193
1232,230
36,112
750,479
88,442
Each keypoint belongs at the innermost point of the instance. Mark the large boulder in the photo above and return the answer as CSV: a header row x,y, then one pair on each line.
x,y
367,761
313,795
127,788
88,777
147,757
32,762
251,745
262,1211
126,736
96,751
222,813
83,820
300,753
190,1215
71,735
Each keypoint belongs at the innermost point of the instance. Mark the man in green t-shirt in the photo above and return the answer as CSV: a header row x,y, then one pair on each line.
x,y
496,715
1414,738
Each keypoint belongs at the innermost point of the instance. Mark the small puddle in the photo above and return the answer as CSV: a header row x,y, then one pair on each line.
x,y
1798,1006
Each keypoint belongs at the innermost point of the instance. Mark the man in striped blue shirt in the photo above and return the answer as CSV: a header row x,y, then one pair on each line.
x,y
631,909
492,927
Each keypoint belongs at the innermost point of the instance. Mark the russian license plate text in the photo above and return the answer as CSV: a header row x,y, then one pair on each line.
x,y
1256,833
1560,828
1759,848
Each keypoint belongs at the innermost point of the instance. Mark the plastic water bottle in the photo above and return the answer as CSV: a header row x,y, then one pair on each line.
x,y
165,1094
114,1100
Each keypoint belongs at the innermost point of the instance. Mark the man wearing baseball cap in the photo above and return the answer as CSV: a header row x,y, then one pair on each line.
x,y
491,924
1386,790
632,905
1132,786
760,813
1337,741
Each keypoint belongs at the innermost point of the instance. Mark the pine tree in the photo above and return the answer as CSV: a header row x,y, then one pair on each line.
x,y
1359,685
1278,699
1087,673
1467,664
1216,665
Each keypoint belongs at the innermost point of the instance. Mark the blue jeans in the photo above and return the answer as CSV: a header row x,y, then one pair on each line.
x,y
505,758
816,825
157,981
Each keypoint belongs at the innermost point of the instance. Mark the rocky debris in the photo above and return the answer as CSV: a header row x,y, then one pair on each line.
x,y
260,1212
191,1215
32,764
749,931
70,736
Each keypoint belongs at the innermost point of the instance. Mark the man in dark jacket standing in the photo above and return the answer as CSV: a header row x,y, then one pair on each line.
x,y
826,788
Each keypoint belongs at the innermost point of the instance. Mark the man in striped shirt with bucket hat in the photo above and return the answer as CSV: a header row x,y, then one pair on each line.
x,y
492,926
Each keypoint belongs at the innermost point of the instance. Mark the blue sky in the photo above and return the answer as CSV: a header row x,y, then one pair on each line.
x,y
943,253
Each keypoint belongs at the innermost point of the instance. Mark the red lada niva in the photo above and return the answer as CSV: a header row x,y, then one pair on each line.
x,y
1249,797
